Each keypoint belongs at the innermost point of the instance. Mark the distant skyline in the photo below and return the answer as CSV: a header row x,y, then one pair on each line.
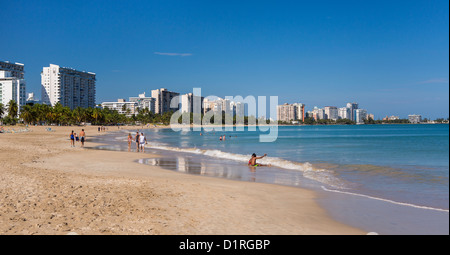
x,y
391,57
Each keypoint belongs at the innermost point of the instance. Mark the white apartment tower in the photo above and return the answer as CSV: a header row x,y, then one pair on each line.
x,y
344,113
163,98
67,86
360,116
16,69
12,88
287,112
300,111
352,107
331,112
122,107
238,108
144,102
318,113
415,118
191,103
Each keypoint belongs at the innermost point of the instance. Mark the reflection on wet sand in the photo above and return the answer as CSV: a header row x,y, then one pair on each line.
x,y
187,165
204,165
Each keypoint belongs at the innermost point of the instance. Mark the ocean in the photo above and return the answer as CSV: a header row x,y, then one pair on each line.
x,y
389,179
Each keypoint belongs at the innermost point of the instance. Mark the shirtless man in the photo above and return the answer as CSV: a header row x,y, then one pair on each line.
x,y
252,161
83,137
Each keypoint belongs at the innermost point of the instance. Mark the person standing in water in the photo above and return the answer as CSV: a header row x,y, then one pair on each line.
x,y
136,138
130,139
252,161
142,142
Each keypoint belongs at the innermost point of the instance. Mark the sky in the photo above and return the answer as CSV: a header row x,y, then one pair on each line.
x,y
391,57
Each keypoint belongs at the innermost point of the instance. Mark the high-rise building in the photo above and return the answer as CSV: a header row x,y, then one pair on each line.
x,y
144,102
360,116
344,113
217,105
352,107
287,112
208,105
226,106
163,99
189,103
240,109
300,110
331,112
12,88
16,69
67,86
415,118
122,107
318,113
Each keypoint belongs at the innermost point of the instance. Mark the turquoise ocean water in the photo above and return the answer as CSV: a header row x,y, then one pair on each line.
x,y
401,168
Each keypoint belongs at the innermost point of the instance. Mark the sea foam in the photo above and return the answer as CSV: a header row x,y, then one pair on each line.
x,y
308,170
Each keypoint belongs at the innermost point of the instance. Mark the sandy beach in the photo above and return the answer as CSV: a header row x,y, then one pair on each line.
x,y
48,187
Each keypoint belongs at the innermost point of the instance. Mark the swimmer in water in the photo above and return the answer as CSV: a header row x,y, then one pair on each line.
x,y
252,161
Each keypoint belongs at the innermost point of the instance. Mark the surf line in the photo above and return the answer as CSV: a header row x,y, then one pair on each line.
x,y
386,200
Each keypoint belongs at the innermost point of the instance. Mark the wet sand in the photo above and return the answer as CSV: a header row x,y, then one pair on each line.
x,y
48,187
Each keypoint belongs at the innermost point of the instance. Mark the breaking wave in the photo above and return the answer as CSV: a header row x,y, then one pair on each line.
x,y
308,170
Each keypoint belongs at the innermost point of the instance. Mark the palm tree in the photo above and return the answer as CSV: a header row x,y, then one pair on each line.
x,y
27,114
2,110
78,114
88,114
97,114
12,109
42,111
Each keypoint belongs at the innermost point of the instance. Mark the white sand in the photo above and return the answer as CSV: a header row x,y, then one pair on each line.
x,y
47,187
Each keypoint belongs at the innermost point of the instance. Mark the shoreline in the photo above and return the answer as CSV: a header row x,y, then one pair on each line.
x,y
385,221
55,189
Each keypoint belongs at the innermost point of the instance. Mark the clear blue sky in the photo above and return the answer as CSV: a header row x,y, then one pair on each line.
x,y
392,57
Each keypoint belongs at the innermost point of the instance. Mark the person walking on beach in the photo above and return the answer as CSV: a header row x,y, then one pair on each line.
x,y
72,139
130,139
82,137
136,138
252,161
142,142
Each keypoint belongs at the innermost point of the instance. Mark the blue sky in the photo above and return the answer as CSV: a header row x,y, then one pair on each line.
x,y
392,57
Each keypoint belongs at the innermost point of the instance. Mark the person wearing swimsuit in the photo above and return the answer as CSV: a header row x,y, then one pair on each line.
x,y
252,161
82,135
130,139
137,141
72,139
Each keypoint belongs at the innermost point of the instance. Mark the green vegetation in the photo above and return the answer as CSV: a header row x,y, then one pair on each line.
x,y
59,115
42,114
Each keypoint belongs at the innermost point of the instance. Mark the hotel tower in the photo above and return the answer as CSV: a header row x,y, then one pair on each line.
x,y
67,86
